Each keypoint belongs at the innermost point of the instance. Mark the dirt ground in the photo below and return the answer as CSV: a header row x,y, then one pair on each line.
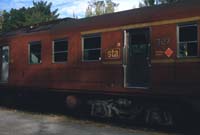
x,y
13,122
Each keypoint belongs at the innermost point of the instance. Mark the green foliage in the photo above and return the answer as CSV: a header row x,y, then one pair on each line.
x,y
167,1
1,20
40,12
147,3
13,19
110,8
96,7
155,2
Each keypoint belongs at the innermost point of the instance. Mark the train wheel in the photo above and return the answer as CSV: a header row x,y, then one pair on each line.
x,y
157,116
76,105
72,102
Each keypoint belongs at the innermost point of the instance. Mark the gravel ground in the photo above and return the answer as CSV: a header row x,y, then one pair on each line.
x,y
13,122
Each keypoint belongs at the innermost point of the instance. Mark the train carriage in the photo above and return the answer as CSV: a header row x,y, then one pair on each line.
x,y
145,54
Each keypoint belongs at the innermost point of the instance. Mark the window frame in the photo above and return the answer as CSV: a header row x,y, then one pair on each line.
x,y
53,50
29,52
178,39
83,50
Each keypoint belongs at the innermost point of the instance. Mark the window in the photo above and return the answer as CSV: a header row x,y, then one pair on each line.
x,y
91,48
35,52
60,50
188,40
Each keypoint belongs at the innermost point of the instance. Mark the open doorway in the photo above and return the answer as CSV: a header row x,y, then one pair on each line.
x,y
138,58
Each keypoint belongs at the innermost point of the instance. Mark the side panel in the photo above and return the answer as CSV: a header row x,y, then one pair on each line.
x,y
170,74
73,74
163,67
104,75
188,68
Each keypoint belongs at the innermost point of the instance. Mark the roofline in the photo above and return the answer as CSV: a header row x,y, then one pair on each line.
x,y
39,24
134,9
142,25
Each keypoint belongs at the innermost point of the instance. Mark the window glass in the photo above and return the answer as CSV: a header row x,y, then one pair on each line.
x,y
188,40
92,48
35,53
60,50
91,43
188,49
92,54
188,33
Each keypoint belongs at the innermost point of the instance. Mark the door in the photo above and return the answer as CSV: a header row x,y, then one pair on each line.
x,y
138,58
4,63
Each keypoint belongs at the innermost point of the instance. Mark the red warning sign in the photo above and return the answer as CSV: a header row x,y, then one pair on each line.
x,y
169,52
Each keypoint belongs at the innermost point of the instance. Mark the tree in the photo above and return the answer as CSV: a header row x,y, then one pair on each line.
x,y
167,1
100,7
146,3
1,20
13,19
155,2
40,12
110,8
89,11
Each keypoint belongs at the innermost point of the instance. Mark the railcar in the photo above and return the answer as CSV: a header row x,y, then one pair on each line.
x,y
124,64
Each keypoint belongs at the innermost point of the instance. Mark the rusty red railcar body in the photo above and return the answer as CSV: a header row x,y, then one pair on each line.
x,y
147,51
